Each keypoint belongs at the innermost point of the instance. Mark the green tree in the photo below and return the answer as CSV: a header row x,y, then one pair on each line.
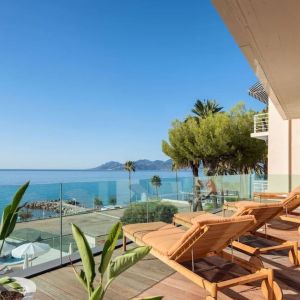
x,y
98,202
187,156
181,146
112,200
225,143
182,149
129,166
156,182
220,142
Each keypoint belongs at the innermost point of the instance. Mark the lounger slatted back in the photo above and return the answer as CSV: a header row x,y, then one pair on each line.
x,y
263,213
211,237
291,202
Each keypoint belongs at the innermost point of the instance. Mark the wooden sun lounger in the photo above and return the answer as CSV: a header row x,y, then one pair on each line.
x,y
290,203
183,250
263,214
279,196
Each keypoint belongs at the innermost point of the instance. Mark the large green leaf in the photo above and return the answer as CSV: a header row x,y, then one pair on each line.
x,y
85,254
6,279
122,263
81,277
16,286
11,282
12,224
9,215
18,196
5,214
109,247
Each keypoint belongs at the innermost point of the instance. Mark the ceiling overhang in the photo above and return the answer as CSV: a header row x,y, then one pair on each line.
x,y
268,33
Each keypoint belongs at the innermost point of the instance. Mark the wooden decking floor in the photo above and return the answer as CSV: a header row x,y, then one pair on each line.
x,y
151,277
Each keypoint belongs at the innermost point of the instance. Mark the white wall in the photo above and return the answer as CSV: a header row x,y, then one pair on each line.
x,y
279,153
295,157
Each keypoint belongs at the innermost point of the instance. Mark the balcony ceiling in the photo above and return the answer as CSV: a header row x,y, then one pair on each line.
x,y
268,33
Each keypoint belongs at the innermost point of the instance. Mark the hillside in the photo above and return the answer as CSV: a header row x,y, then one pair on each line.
x,y
140,165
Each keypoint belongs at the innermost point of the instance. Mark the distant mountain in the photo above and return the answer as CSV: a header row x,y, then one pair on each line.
x,y
109,166
140,165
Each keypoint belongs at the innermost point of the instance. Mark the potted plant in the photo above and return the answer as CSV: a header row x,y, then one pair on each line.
x,y
109,269
16,288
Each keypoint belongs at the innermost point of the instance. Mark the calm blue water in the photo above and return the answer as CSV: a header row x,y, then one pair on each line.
x,y
9,177
84,186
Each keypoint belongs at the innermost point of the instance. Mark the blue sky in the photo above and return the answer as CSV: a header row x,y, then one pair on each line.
x,y
84,82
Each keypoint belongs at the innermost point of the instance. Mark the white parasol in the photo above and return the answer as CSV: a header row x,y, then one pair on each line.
x,y
30,249
7,248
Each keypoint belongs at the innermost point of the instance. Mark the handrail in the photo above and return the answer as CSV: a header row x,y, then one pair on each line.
x,y
261,123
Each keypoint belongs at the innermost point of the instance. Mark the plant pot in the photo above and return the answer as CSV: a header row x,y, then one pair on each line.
x,y
28,286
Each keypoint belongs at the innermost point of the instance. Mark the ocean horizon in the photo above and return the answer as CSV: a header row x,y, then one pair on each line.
x,y
44,176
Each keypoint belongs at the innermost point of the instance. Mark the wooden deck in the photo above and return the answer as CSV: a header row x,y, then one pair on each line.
x,y
151,277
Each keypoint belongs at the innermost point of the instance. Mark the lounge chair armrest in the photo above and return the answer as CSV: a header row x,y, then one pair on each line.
x,y
266,195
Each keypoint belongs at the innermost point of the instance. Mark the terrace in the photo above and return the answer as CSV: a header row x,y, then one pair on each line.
x,y
74,203
53,275
151,277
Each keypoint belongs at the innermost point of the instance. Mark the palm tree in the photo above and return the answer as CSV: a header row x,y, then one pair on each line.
x,y
175,168
98,203
129,166
203,108
156,182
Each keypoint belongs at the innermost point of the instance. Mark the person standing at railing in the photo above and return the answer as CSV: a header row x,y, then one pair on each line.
x,y
197,195
212,192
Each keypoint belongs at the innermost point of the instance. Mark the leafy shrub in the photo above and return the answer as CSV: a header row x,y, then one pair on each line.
x,y
157,211
165,212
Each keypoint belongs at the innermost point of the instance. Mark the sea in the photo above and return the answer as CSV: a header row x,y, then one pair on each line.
x,y
82,186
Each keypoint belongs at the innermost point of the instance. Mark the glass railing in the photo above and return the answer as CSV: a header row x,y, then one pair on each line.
x,y
49,209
